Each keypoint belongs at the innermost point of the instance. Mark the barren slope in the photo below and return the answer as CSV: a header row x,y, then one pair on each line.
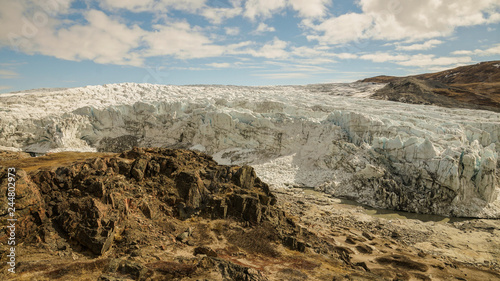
x,y
472,86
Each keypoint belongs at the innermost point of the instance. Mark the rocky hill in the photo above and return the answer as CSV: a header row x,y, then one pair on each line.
x,y
472,86
163,214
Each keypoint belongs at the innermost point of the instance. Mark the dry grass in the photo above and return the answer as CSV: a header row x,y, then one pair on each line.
x,y
85,270
300,263
202,234
220,226
259,240
52,160
173,268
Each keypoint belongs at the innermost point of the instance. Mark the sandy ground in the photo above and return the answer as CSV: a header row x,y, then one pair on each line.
x,y
467,246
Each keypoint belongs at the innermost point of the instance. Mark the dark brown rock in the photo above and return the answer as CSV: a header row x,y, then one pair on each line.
x,y
205,251
29,207
294,244
90,222
244,177
138,168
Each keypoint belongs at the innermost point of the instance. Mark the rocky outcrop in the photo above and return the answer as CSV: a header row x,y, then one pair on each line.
x,y
28,208
89,201
99,206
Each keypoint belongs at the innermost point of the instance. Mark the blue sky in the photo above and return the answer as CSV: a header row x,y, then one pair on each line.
x,y
69,43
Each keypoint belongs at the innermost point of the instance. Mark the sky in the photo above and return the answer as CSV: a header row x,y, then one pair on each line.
x,y
70,43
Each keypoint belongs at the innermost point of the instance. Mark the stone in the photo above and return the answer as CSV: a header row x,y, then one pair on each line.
x,y
205,251
146,210
138,168
182,237
245,177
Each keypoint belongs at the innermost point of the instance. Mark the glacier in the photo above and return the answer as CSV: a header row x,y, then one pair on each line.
x,y
331,137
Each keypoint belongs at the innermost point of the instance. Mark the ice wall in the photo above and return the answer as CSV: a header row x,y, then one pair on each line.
x,y
409,157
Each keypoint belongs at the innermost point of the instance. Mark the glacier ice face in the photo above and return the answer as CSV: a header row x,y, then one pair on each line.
x,y
331,137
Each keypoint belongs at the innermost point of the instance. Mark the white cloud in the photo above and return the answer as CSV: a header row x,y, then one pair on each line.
x,y
131,5
180,40
421,60
419,47
317,55
342,29
305,8
263,28
298,66
215,15
405,20
103,40
310,8
30,30
284,75
22,20
232,30
219,64
426,19
495,50
271,50
153,5
346,56
8,74
463,52
305,51
4,87
218,15
106,39
263,8
384,57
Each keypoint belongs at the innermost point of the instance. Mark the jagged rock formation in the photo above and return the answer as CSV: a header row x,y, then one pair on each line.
x,y
96,202
90,200
332,137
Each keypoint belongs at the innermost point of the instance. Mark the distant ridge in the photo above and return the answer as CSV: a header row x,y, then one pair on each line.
x,y
472,86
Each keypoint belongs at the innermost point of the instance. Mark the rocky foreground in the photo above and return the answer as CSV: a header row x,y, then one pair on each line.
x,y
163,214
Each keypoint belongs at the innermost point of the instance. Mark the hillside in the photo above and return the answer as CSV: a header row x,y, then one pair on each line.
x,y
472,86
164,214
